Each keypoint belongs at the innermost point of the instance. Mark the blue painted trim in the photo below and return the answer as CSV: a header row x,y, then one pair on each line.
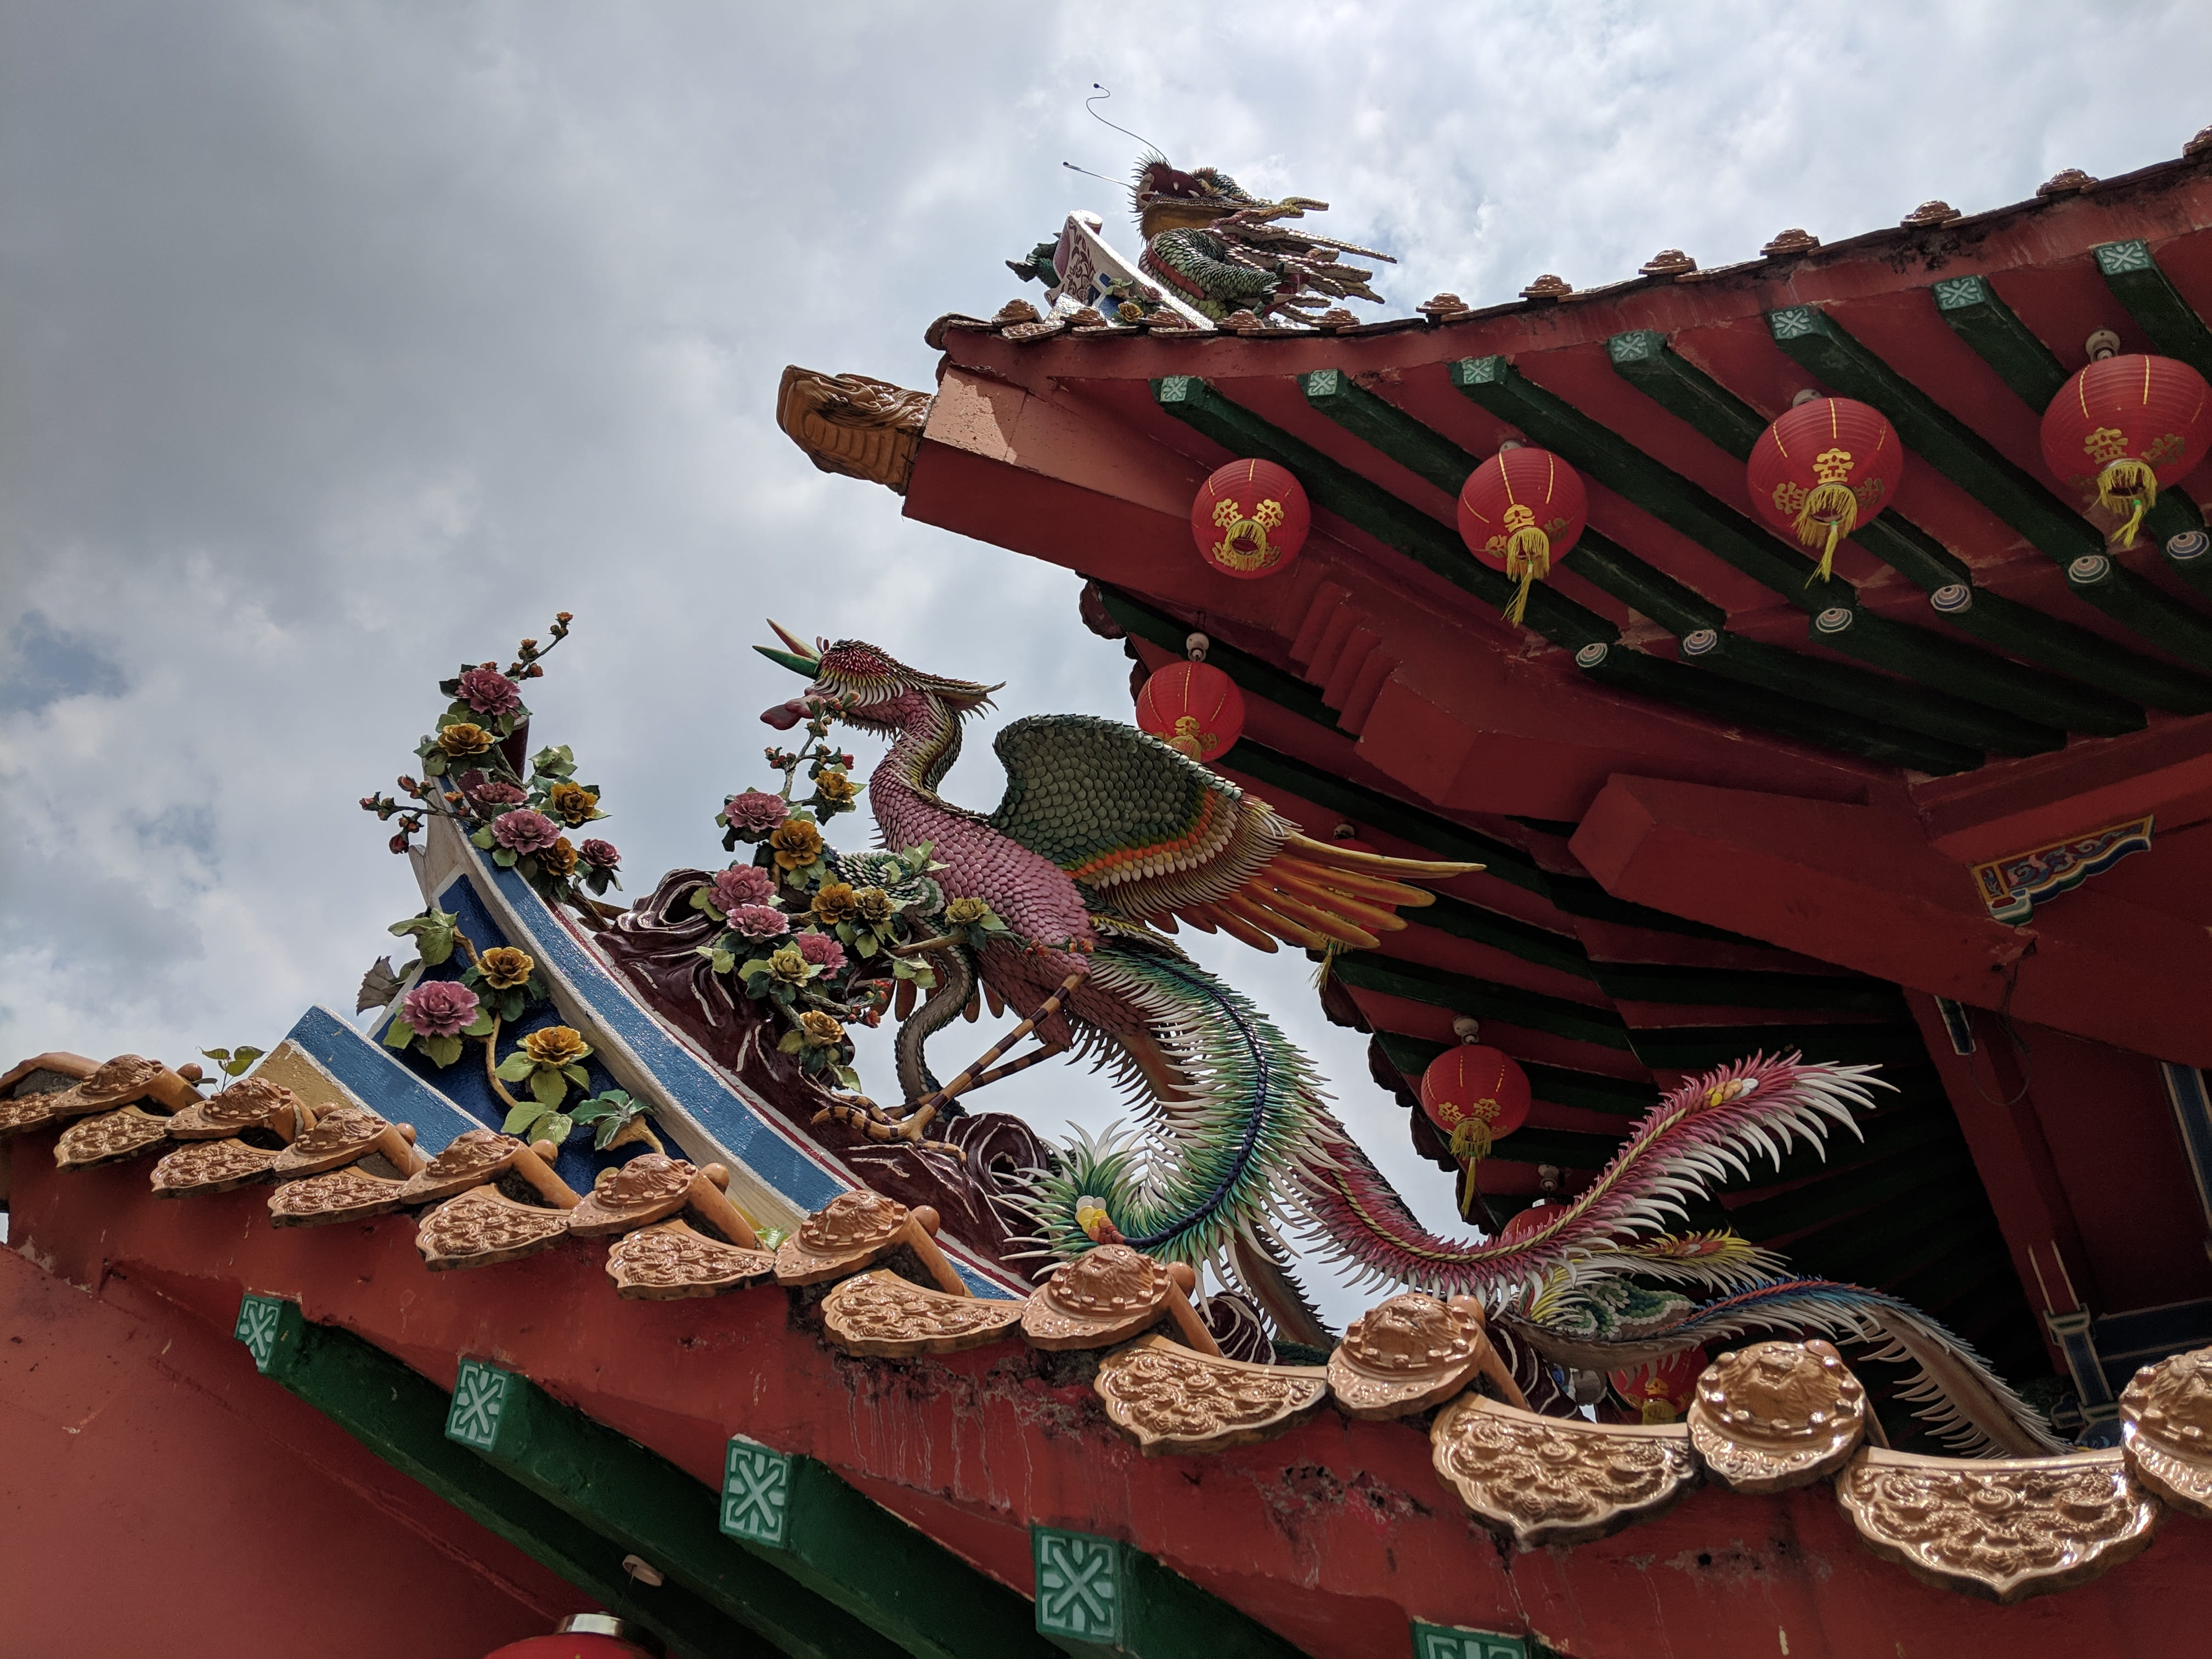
x,y
377,1077
2080,1347
2192,1114
1958,1025
800,1172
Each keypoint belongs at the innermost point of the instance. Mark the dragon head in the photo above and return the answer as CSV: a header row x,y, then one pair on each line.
x,y
873,689
1168,198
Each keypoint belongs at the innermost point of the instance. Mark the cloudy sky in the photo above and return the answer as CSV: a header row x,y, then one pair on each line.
x,y
344,342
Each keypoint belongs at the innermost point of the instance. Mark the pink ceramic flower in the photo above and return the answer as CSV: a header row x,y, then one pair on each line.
x,y
524,831
488,794
490,692
755,812
600,854
740,885
759,922
439,1008
822,951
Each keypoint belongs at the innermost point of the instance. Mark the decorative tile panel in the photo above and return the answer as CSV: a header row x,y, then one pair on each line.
x,y
1451,1642
1793,324
1957,293
1635,346
2117,259
479,1399
1081,1587
755,1493
261,1323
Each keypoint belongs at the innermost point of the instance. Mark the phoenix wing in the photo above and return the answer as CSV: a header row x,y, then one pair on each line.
x,y
1151,835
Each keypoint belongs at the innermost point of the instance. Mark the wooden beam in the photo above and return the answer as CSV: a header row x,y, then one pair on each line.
x,y
1807,722
649,1507
2114,679
1811,337
1099,1597
1871,697
1463,994
400,1416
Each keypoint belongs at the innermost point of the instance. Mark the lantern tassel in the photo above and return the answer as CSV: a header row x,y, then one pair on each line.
x,y
2130,487
1470,1139
1527,555
1831,513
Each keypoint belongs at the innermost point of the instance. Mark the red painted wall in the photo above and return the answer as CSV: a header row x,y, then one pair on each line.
x,y
158,1495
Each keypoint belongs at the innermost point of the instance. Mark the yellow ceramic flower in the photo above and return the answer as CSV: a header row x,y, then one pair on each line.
x,y
505,968
788,965
797,843
874,903
572,803
821,1031
556,1045
836,787
836,903
560,857
963,911
461,739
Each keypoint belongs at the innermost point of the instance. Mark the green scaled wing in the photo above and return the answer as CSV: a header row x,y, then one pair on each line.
x,y
1141,829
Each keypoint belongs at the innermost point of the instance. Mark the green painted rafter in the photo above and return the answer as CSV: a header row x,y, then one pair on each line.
x,y
1340,490
1822,346
652,1509
1819,681
2114,680
400,1416
2132,273
1104,1598
1382,516
1977,315
1945,664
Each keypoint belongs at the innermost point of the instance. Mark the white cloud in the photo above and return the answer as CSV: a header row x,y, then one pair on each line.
x,y
347,341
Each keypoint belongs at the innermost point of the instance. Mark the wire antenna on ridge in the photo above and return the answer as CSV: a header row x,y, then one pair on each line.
x,y
1099,92
1118,184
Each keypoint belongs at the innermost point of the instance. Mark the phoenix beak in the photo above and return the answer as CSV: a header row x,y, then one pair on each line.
x,y
801,658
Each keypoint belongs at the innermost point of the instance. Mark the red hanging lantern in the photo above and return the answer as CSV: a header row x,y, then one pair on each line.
x,y
1661,1390
583,1636
2122,427
1476,1095
1193,708
1518,512
1524,1224
1249,519
1824,469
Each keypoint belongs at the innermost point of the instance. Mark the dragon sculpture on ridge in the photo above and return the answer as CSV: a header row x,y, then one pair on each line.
x,y
1223,251
1107,840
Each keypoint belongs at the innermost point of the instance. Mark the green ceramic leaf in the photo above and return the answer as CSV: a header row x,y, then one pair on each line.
x,y
549,1086
515,1067
399,1034
442,1050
